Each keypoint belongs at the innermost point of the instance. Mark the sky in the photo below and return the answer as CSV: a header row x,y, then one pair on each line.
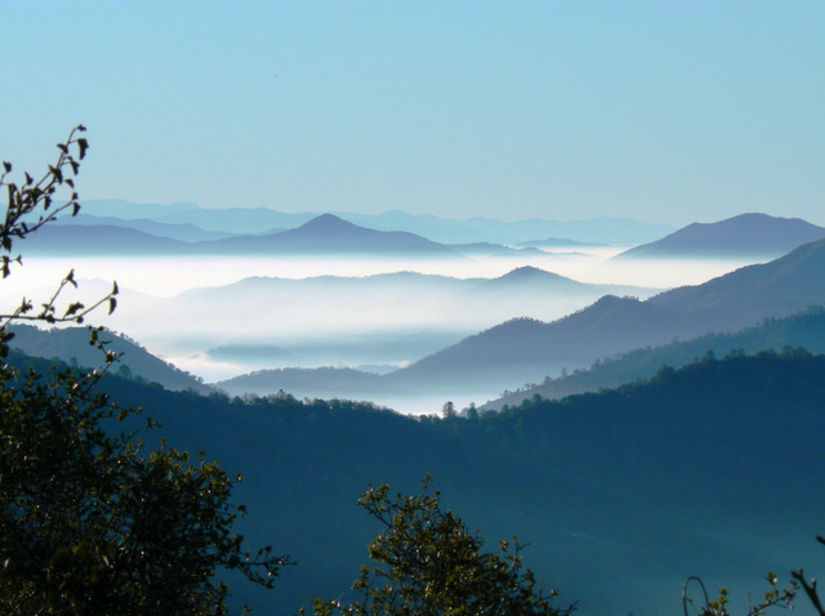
x,y
668,111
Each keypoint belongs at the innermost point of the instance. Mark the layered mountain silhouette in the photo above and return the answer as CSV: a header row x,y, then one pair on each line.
x,y
523,349
747,235
184,232
804,329
330,234
71,345
325,234
444,230
99,239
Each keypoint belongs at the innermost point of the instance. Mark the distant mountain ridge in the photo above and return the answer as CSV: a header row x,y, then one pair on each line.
x,y
746,235
71,345
329,234
184,232
99,239
442,230
324,234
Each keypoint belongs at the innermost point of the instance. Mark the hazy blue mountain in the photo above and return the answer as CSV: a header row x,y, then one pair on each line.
x,y
636,488
526,281
71,345
535,279
228,220
778,288
805,329
304,382
99,239
329,234
442,230
184,232
525,351
747,235
410,315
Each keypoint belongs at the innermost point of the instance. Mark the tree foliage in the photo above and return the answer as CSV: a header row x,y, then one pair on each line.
x,y
429,563
91,522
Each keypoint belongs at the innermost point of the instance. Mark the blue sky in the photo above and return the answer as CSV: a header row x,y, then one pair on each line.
x,y
661,111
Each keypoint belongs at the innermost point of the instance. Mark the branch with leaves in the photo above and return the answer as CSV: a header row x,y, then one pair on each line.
x,y
810,586
430,563
773,597
91,522
31,205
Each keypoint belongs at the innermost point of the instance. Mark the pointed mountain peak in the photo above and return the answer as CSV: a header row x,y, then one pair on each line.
x,y
327,222
528,273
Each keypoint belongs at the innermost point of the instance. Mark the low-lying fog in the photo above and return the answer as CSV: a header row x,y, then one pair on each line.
x,y
205,316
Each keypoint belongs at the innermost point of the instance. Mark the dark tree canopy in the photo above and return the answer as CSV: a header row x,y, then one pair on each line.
x,y
91,522
431,564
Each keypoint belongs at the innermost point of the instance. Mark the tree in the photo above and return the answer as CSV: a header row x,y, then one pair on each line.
x,y
91,522
431,564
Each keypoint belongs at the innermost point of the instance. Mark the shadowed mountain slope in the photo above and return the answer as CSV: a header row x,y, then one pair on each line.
x,y
522,351
746,235
184,232
99,239
805,329
778,288
71,345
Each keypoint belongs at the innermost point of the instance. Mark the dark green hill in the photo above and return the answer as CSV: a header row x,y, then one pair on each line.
x,y
71,344
713,469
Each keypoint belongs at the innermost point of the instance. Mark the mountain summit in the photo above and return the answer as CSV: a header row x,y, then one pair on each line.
x,y
328,225
327,234
746,235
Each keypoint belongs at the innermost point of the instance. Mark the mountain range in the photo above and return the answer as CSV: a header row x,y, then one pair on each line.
x,y
613,324
242,221
748,236
804,329
324,234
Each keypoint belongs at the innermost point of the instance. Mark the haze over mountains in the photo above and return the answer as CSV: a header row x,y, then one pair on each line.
x,y
612,324
324,234
241,221
524,350
307,335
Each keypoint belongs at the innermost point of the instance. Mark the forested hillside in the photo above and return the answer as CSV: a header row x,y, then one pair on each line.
x,y
805,329
636,487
